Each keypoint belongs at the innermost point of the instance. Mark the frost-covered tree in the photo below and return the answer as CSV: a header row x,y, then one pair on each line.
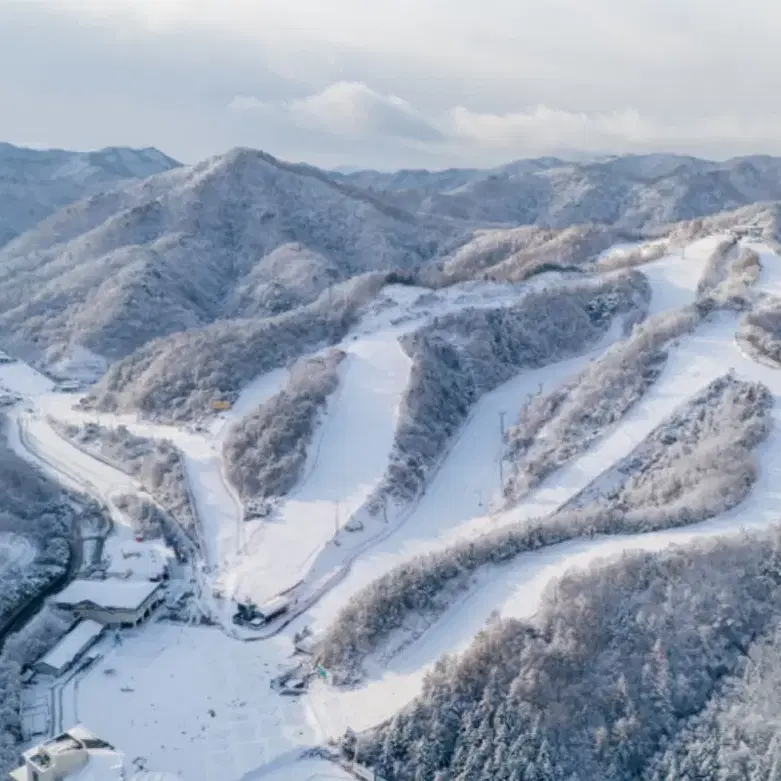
x,y
157,463
618,661
266,451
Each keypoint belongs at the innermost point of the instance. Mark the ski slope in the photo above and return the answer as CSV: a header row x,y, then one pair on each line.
x,y
674,277
346,461
514,590
458,502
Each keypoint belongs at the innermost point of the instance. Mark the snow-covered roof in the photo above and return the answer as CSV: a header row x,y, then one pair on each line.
x,y
102,765
109,593
275,605
77,640
142,560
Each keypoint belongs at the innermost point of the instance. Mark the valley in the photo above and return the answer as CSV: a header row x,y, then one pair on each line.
x,y
197,700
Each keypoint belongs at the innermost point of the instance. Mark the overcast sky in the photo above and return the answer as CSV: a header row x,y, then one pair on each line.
x,y
404,83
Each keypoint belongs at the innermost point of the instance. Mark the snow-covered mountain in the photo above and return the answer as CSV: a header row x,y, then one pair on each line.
x,y
491,469
426,433
199,252
631,192
240,235
35,183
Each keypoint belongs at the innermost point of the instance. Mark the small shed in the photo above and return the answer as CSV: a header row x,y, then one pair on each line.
x,y
69,649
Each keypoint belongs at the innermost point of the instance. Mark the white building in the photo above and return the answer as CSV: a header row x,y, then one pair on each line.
x,y
70,648
79,755
111,602
67,755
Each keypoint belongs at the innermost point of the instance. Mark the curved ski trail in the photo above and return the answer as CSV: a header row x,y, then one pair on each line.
x,y
514,589
347,460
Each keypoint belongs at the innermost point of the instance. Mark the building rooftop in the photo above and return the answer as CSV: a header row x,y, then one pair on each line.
x,y
102,762
109,594
80,637
275,605
102,765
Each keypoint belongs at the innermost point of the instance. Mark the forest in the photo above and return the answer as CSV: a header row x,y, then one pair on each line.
x,y
656,667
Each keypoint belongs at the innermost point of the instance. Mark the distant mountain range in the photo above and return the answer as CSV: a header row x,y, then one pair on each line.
x,y
633,192
35,183
111,250
240,235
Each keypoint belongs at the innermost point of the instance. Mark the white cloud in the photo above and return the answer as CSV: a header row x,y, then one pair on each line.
x,y
414,82
542,129
348,109
352,111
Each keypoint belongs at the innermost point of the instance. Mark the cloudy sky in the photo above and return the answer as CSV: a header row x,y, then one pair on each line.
x,y
389,84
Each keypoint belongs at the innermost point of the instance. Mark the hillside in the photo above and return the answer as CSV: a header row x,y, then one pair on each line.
x,y
240,235
36,183
630,192
246,237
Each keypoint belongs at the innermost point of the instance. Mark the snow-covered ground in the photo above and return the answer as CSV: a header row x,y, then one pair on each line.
x,y
24,380
15,550
154,694
674,277
192,701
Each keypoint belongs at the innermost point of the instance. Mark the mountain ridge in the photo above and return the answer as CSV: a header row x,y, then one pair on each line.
x,y
35,183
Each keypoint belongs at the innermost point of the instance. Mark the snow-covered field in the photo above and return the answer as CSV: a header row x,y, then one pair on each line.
x,y
192,701
195,700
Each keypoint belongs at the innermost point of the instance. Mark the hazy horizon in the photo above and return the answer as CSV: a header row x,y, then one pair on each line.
x,y
426,83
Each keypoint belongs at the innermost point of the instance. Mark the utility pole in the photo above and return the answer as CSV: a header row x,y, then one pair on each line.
x,y
501,451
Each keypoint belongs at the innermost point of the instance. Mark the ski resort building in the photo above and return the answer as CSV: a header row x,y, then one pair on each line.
x,y
70,649
79,755
67,755
111,602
